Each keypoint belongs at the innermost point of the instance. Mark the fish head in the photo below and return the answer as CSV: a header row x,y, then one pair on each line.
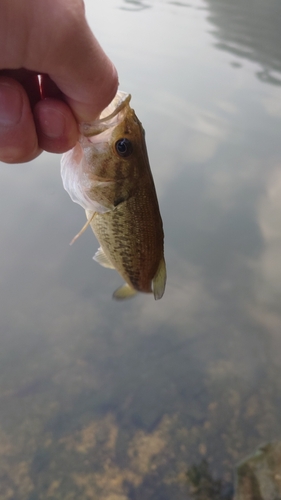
x,y
104,168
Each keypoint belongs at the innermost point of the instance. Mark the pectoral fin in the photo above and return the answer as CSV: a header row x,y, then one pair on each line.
x,y
159,280
102,259
124,292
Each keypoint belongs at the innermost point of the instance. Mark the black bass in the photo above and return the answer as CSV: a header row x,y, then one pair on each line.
x,y
108,174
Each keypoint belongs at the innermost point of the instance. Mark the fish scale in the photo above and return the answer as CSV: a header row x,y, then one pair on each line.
x,y
121,235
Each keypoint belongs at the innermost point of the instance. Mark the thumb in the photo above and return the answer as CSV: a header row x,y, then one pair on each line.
x,y
63,46
85,75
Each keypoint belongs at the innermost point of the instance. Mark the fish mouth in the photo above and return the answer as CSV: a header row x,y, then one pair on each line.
x,y
109,117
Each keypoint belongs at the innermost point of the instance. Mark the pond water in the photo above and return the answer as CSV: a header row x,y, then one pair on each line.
x,y
117,401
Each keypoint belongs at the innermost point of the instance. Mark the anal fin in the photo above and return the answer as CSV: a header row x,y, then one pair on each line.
x,y
124,292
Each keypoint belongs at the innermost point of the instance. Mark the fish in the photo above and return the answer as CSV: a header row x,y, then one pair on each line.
x,y
108,174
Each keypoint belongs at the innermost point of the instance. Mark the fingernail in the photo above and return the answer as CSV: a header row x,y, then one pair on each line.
x,y
10,105
51,122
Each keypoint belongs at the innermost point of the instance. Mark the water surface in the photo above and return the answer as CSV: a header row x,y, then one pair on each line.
x,y
109,401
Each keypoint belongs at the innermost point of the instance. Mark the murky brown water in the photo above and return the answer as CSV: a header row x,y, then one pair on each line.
x,y
109,401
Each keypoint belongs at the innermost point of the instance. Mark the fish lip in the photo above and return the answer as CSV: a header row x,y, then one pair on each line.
x,y
106,119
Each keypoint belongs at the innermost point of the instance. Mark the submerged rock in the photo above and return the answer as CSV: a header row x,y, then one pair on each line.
x,y
203,486
259,475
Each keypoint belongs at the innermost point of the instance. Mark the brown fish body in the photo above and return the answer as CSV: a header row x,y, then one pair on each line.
x,y
131,237
129,225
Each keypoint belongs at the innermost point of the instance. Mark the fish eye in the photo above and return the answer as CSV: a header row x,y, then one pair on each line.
x,y
124,147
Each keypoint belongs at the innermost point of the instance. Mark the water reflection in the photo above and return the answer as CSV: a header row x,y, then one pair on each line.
x,y
181,4
250,30
134,5
118,401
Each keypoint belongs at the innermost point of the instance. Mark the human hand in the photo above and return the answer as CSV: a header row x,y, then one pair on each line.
x,y
52,38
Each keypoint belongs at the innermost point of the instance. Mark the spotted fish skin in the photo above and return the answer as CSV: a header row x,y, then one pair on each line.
x,y
124,215
130,238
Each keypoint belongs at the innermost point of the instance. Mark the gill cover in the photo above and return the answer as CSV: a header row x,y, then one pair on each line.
x,y
76,172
